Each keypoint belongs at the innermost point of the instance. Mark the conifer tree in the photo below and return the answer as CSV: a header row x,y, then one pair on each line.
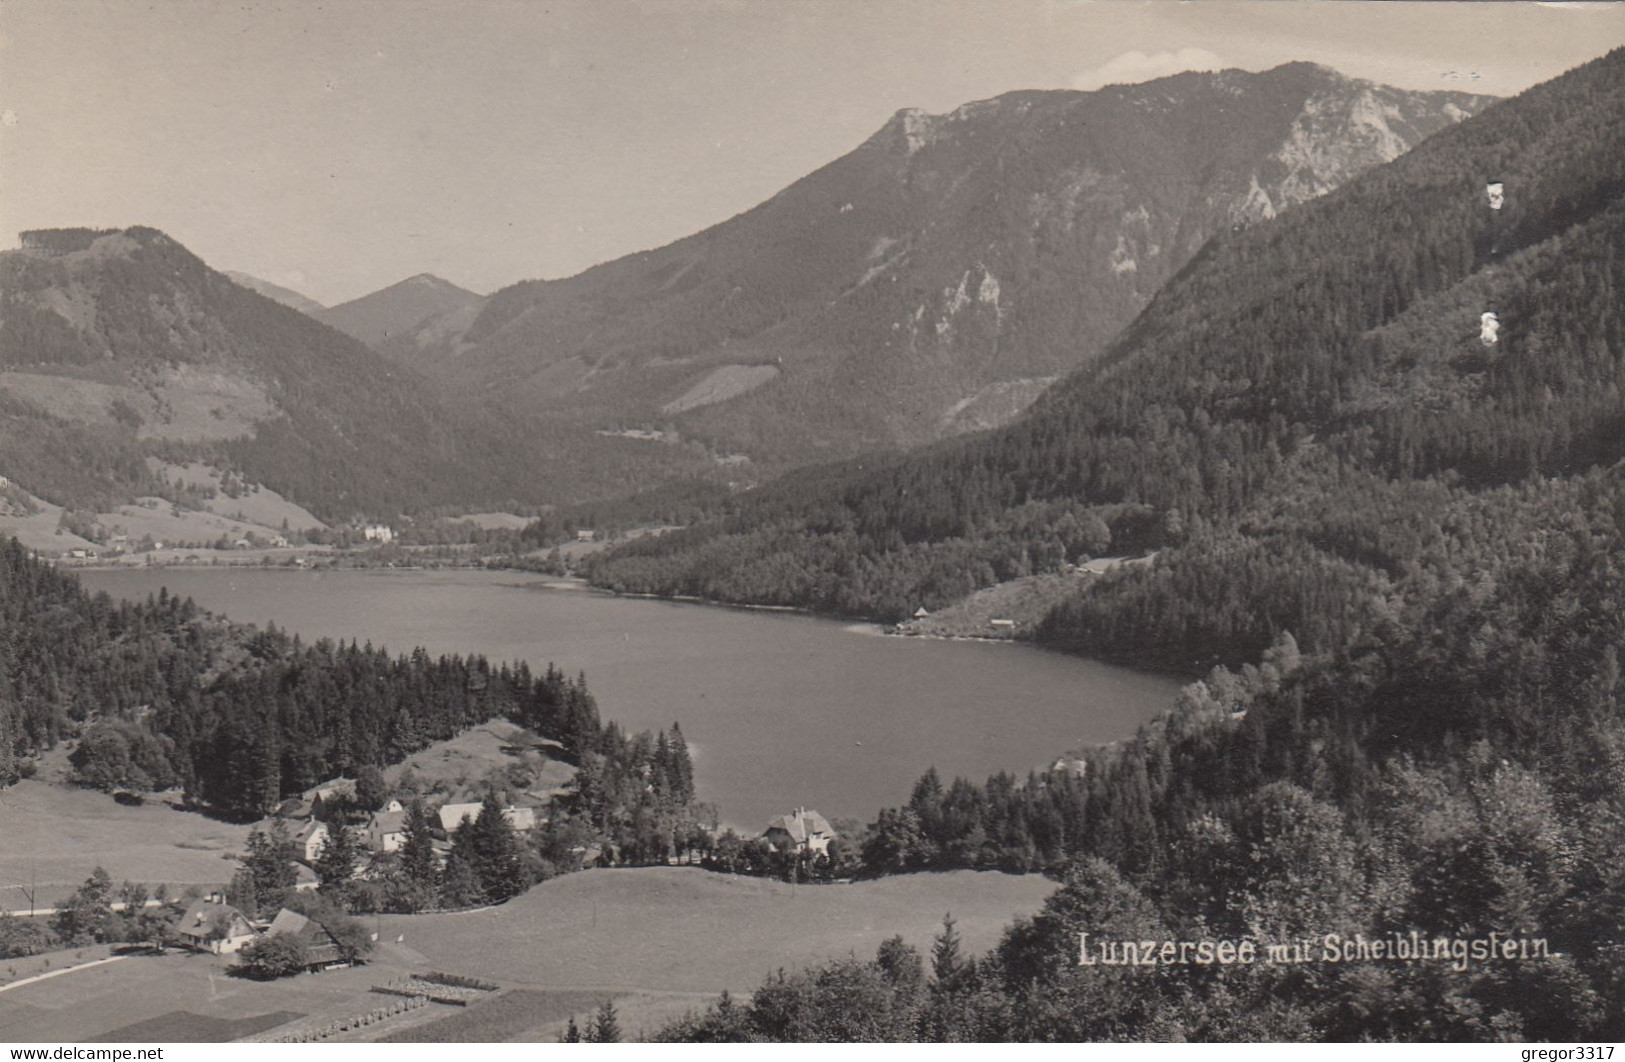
x,y
606,1026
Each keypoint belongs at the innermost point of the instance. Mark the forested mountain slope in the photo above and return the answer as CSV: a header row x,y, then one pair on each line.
x,y
939,276
277,293
1413,542
1282,418
118,345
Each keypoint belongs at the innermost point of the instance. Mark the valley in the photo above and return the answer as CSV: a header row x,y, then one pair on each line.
x,y
1188,505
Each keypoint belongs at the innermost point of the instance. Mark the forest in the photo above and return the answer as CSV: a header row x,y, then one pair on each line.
x,y
1396,555
1295,387
163,695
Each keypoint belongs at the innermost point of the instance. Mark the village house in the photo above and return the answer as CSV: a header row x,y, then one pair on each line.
x,y
801,831
322,948
214,926
310,840
304,878
586,535
329,789
382,534
452,815
386,830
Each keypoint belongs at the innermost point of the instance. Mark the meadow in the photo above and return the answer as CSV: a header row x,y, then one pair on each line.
x,y
56,835
688,930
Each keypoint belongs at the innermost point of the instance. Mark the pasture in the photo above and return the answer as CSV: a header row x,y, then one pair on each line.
x,y
56,835
659,941
179,996
673,929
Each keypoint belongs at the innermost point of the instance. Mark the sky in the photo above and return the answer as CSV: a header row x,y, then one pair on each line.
x,y
337,146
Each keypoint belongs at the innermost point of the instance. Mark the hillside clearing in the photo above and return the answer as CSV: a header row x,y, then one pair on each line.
x,y
56,835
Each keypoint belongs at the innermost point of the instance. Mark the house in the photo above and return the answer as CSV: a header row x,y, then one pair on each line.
x,y
293,808
279,541
586,535
386,830
1002,624
322,948
452,815
310,840
393,804
304,878
921,613
382,534
213,926
802,830
331,788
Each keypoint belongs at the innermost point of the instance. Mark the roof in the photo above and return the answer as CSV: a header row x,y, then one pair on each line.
x,y
309,830
199,919
320,944
451,815
800,825
303,875
388,822
331,785
287,921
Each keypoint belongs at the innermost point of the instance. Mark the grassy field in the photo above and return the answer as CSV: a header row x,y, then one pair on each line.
x,y
660,942
56,835
687,930
518,1014
178,997
454,768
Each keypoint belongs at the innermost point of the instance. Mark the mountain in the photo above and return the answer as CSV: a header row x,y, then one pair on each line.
x,y
940,276
286,296
1308,419
407,317
121,345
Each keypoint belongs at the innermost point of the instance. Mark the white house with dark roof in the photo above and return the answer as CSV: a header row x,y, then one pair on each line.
x,y
310,839
802,830
386,830
212,926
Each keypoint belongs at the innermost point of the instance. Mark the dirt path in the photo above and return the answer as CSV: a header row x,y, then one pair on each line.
x,y
58,973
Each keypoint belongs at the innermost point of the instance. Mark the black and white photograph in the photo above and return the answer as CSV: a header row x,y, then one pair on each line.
x,y
740,521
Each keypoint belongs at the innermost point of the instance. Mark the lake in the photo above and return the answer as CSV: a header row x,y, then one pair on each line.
x,y
779,709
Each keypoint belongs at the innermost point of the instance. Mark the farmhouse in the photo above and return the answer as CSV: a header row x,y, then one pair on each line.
x,y
310,840
212,926
322,948
386,830
802,831
452,815
331,788
380,533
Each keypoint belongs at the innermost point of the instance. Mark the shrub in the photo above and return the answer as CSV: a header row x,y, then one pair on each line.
x,y
273,956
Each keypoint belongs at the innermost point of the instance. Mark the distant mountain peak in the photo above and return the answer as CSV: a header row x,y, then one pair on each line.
x,y
937,277
401,308
286,296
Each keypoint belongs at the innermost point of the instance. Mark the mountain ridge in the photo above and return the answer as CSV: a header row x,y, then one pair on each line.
x,y
937,277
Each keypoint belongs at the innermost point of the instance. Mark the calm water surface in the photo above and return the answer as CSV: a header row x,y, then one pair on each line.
x,y
780,710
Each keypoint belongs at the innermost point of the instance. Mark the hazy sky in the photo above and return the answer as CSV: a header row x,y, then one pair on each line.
x,y
336,146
